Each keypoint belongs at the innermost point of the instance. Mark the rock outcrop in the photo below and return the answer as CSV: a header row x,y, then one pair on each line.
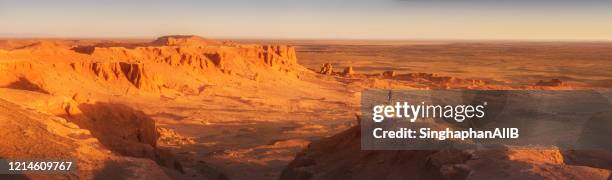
x,y
348,71
341,157
387,79
199,54
551,83
388,74
327,69
118,72
184,40
70,75
32,135
169,63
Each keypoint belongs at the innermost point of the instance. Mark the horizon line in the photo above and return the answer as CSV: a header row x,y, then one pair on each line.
x,y
255,38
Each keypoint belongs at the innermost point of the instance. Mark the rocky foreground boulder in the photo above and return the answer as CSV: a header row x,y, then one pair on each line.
x,y
341,157
27,134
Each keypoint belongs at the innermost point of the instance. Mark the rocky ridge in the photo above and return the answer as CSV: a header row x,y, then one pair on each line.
x,y
72,82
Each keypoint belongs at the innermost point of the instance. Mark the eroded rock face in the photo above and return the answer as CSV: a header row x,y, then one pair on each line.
x,y
444,82
388,74
341,157
32,135
205,55
118,72
176,65
123,130
119,127
327,69
23,75
552,82
348,71
387,79
184,40
168,63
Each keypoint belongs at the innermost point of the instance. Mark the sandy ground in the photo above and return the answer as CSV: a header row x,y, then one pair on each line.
x,y
257,133
502,62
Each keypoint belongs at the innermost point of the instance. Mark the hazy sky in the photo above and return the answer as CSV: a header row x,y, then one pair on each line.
x,y
362,19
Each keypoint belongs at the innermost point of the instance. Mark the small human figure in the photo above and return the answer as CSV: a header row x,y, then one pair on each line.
x,y
390,95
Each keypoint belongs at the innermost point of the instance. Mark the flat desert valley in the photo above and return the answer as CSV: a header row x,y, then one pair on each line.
x,y
187,107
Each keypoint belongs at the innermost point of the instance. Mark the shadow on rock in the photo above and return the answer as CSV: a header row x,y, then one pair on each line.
x,y
125,131
593,147
26,84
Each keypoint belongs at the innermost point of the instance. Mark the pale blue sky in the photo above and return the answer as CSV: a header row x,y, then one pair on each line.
x,y
361,19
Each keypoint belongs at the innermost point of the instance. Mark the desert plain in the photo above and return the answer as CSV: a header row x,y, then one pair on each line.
x,y
187,107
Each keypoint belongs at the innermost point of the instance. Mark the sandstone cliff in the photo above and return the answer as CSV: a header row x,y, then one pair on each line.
x,y
167,64
73,83
29,134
